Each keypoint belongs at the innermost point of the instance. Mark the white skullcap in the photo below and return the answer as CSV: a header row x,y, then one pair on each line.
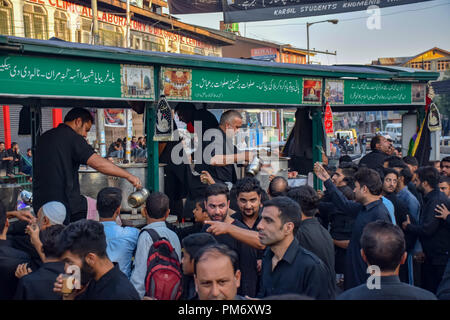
x,y
55,212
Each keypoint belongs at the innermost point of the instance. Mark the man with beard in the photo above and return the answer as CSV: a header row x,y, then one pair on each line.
x,y
413,165
83,245
433,232
367,208
444,185
445,166
217,203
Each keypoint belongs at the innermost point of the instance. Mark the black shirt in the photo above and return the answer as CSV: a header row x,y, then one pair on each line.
x,y
59,153
374,160
247,260
315,238
355,266
209,121
224,146
39,284
10,258
113,285
189,292
298,272
413,189
434,233
391,288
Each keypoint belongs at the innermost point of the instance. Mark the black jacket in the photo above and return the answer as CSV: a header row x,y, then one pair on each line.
x,y
434,233
374,160
39,284
10,258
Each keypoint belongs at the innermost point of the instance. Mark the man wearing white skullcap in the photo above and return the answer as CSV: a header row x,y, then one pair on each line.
x,y
50,214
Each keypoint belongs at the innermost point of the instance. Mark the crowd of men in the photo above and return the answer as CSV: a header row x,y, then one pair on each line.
x,y
12,158
380,230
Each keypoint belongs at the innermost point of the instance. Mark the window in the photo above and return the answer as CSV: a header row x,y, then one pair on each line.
x,y
5,17
443,65
35,21
110,35
61,26
84,30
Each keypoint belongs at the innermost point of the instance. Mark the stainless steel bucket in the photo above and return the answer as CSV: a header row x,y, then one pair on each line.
x,y
9,194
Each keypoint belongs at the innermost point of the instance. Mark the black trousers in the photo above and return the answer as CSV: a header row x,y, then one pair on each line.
x,y
432,276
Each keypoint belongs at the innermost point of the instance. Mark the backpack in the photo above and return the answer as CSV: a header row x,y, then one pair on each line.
x,y
163,277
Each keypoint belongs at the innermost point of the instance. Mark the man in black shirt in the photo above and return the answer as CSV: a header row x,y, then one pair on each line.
x,y
287,267
413,165
375,160
311,235
367,208
38,285
10,258
434,233
59,153
383,248
217,204
5,158
82,246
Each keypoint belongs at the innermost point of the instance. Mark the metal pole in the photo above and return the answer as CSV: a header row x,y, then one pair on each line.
x,y
95,37
128,25
307,38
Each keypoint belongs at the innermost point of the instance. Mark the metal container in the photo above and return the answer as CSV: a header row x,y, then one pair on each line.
x,y
254,167
92,181
9,193
138,198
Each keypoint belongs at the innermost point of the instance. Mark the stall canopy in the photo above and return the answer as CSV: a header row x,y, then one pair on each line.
x,y
49,71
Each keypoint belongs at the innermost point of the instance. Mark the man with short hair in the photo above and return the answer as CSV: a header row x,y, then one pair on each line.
x,y
229,231
82,244
445,166
311,235
383,246
248,192
216,273
380,147
444,185
59,153
5,158
344,174
10,258
121,241
367,208
191,246
277,187
155,212
287,267
433,232
38,285
14,153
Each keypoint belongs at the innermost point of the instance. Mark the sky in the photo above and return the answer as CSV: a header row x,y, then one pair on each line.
x,y
404,31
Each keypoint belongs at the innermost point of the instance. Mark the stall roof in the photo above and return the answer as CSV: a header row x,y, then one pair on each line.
x,y
72,49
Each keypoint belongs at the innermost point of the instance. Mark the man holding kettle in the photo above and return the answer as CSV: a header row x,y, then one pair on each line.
x,y
59,153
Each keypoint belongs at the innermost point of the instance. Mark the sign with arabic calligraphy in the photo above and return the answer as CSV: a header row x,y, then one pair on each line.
x,y
39,76
208,85
376,92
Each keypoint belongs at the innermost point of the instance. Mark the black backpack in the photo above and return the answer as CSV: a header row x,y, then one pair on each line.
x,y
163,277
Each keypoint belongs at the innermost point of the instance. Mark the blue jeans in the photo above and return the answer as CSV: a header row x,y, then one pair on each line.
x,y
116,154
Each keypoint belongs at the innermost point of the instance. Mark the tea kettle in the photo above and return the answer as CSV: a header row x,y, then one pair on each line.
x,y
254,167
138,198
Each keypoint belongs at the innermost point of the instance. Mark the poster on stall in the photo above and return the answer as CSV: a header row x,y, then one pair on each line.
x,y
418,93
334,91
312,91
115,118
176,83
137,81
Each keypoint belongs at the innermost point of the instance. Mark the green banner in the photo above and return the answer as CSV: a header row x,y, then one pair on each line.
x,y
30,75
226,86
365,92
